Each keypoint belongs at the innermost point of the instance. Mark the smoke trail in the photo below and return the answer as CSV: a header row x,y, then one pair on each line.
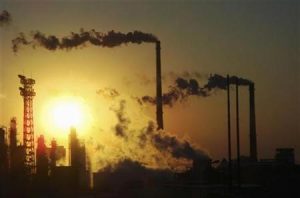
x,y
145,145
183,88
109,93
121,127
20,40
5,18
164,142
179,92
75,40
217,81
168,98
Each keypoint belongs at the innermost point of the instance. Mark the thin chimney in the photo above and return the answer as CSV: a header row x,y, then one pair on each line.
x,y
53,155
159,105
238,134
252,122
229,135
13,135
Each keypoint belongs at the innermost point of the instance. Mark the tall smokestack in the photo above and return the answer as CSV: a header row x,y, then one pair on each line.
x,y
41,158
229,135
238,134
159,105
253,146
74,145
53,155
13,135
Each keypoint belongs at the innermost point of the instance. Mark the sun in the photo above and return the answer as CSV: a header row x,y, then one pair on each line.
x,y
62,113
66,114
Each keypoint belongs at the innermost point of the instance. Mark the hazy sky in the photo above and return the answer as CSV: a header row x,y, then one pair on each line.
x,y
258,40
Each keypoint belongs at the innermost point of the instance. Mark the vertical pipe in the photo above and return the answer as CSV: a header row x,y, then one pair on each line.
x,y
159,106
238,134
13,134
53,156
229,135
252,123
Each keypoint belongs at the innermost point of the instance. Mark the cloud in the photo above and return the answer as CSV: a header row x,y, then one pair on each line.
x,y
183,88
108,93
5,18
76,40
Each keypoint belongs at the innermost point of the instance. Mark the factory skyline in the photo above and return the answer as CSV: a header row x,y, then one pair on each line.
x,y
37,165
76,75
202,92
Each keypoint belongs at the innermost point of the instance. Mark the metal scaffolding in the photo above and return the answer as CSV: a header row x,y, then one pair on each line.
x,y
27,92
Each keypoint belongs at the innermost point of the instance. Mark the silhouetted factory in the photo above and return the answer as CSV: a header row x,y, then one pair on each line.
x,y
26,171
64,179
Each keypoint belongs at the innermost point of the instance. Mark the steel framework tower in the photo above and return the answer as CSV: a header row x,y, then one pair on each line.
x,y
27,92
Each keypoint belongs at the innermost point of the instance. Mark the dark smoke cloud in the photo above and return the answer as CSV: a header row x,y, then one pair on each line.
x,y
75,40
169,98
121,127
5,18
185,74
183,89
179,92
165,142
217,81
162,141
109,93
20,40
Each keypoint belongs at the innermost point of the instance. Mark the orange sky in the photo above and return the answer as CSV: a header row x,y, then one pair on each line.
x,y
258,41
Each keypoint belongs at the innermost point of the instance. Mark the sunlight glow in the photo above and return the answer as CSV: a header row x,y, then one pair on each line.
x,y
66,114
62,113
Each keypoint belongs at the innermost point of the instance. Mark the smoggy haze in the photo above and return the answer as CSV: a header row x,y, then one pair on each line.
x,y
255,40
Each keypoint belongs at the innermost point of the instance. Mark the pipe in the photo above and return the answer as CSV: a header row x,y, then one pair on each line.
x,y
159,105
252,123
229,135
13,135
238,134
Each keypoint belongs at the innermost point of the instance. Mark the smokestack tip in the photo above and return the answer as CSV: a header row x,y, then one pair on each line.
x,y
251,85
157,44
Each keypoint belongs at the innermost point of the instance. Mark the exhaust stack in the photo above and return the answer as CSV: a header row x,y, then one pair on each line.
x,y
229,136
252,122
159,105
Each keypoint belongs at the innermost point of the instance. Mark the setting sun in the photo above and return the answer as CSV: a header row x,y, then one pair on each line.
x,y
67,113
62,113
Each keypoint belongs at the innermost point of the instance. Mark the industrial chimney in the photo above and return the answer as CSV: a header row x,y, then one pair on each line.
x,y
41,158
53,155
74,146
159,105
13,135
253,146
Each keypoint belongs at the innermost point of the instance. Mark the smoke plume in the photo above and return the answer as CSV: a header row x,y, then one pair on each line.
x,y
184,88
165,142
75,40
134,136
217,81
121,127
170,151
5,18
109,93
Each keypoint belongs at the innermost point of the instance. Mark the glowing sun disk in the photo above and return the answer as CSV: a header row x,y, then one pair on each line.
x,y
67,114
62,113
